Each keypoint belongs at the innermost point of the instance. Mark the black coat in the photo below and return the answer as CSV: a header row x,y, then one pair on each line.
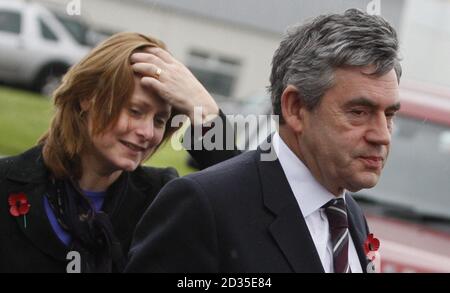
x,y
237,216
37,248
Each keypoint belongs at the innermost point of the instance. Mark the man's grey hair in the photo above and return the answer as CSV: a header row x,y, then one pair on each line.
x,y
309,53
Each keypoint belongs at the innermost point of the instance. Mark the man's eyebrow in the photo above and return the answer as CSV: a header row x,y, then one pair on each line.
x,y
371,104
395,107
361,102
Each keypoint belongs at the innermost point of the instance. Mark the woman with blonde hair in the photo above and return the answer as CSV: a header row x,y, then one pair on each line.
x,y
72,202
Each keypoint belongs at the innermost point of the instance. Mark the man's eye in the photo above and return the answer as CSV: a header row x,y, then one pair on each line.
x,y
358,112
390,114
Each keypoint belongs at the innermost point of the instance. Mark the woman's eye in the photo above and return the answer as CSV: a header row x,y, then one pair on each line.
x,y
135,112
160,122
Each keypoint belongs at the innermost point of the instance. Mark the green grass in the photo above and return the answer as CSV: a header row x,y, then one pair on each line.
x,y
25,116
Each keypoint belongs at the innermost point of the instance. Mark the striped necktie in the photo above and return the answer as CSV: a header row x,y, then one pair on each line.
x,y
337,218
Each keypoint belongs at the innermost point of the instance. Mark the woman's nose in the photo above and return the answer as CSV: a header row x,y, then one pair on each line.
x,y
146,129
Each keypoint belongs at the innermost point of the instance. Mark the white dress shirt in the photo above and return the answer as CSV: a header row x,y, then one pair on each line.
x,y
311,196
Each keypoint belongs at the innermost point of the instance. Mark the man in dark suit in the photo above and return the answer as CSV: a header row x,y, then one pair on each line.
x,y
334,85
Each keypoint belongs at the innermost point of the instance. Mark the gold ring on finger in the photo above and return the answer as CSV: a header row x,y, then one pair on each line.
x,y
158,72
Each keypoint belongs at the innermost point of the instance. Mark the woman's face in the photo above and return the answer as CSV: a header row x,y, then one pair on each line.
x,y
138,132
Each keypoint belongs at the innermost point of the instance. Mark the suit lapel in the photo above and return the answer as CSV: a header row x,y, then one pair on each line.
x,y
357,232
289,228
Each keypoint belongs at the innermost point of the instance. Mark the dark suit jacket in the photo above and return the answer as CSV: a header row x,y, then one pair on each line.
x,y
237,216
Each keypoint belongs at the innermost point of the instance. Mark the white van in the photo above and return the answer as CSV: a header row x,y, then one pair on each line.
x,y
36,46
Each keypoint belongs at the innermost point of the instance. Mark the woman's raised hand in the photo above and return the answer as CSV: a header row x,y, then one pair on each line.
x,y
173,82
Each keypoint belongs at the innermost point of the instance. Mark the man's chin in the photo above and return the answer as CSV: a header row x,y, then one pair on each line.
x,y
366,182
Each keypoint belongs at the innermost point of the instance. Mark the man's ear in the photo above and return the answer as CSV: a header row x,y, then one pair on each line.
x,y
293,108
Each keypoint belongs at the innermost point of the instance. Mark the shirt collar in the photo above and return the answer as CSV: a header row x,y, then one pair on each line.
x,y
308,192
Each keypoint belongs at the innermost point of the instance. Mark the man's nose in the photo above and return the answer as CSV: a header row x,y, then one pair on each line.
x,y
379,132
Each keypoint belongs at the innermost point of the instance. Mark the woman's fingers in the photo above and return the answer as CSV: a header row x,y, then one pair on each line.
x,y
162,54
157,87
147,58
149,70
173,82
151,83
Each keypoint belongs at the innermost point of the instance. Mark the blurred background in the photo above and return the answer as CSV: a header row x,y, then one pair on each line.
x,y
229,45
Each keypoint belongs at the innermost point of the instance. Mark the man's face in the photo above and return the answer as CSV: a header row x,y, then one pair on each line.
x,y
345,139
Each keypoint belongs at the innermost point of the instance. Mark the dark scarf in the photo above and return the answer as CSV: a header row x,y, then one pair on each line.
x,y
92,232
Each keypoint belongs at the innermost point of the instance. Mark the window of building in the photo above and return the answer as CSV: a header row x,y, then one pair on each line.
x,y
218,73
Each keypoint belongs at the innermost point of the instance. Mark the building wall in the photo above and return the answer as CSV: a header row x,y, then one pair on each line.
x,y
426,41
183,32
423,26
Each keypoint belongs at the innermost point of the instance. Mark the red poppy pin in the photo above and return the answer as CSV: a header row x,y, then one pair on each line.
x,y
19,206
371,244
